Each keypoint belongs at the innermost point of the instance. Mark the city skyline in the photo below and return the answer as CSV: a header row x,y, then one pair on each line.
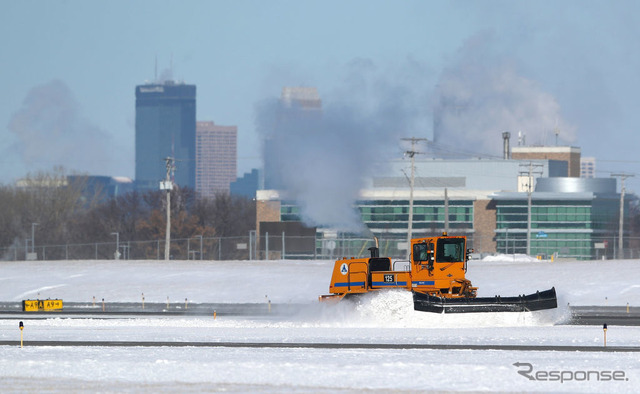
x,y
69,69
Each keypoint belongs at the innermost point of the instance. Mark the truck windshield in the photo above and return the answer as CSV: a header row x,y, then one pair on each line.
x,y
450,250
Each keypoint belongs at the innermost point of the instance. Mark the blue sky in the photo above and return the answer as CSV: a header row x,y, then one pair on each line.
x,y
69,70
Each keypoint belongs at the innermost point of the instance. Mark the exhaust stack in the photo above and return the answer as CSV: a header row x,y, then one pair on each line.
x,y
375,251
505,136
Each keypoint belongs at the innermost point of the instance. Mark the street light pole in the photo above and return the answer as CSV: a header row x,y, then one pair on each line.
x,y
529,191
168,186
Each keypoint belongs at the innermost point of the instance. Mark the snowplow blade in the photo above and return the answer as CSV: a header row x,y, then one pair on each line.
x,y
525,303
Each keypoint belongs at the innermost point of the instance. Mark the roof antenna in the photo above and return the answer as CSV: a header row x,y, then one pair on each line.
x,y
155,77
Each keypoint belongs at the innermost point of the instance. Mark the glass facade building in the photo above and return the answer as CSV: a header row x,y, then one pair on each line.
x,y
391,218
165,127
576,225
582,225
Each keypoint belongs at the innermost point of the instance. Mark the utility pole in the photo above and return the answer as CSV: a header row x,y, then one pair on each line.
x,y
621,220
411,153
168,186
33,239
529,191
446,211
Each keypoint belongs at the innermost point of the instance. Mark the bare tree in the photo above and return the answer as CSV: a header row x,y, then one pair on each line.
x,y
49,199
229,215
68,212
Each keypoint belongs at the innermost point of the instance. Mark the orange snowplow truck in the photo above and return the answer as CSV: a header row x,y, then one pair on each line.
x,y
435,274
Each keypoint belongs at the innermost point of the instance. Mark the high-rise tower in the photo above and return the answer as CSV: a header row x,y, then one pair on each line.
x,y
216,158
165,127
299,113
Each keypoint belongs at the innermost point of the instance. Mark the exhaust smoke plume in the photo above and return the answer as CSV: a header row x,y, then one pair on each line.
x,y
480,95
52,132
322,157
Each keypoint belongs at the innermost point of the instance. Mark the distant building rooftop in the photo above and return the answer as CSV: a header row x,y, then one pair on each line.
x,y
305,97
545,149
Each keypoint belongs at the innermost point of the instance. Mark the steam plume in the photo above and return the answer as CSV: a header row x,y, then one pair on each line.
x,y
323,158
480,95
52,133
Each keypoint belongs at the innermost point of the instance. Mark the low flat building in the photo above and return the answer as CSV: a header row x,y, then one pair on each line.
x,y
571,217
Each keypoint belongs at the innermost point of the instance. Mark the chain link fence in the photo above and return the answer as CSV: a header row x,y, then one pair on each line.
x,y
229,248
218,248
284,246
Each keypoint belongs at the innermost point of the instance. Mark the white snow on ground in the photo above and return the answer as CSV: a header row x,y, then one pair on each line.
x,y
599,282
387,317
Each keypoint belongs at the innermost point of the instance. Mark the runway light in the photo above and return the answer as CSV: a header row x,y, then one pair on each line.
x,y
21,328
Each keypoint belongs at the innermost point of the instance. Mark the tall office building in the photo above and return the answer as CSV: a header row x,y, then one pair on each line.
x,y
165,127
247,185
299,111
216,158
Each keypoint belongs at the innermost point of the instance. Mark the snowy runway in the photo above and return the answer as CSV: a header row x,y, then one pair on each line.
x,y
163,369
378,345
